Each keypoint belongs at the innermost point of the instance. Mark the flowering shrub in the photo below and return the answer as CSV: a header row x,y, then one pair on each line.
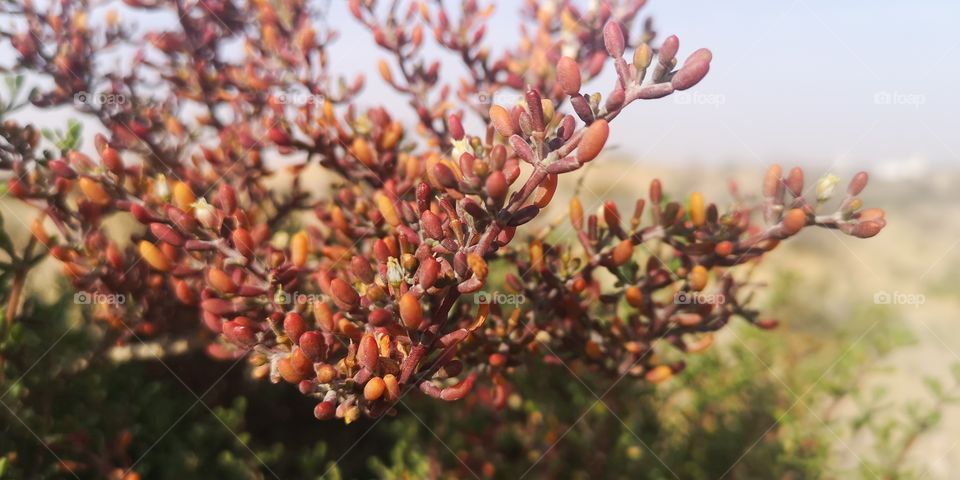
x,y
385,292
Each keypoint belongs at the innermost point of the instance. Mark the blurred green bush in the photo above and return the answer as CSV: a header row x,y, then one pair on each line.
x,y
758,405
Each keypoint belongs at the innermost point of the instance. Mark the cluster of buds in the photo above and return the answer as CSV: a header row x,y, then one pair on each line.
x,y
372,300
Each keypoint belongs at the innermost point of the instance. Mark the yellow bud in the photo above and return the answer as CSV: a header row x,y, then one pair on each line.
x,y
183,196
698,277
154,256
93,191
387,209
698,212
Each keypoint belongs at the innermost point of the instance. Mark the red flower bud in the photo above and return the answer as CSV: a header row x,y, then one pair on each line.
x,y
613,39
344,295
294,326
568,75
312,344
166,234
368,353
858,183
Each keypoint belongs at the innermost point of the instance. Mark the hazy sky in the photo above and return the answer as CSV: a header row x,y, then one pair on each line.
x,y
846,83
855,83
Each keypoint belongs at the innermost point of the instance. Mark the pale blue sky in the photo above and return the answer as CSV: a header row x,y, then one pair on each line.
x,y
853,83
845,83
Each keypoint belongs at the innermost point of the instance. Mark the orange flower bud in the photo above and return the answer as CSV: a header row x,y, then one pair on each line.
x,y
385,71
361,149
36,228
593,140
659,374
622,252
288,371
154,256
393,387
869,214
374,389
221,280
794,220
723,248
771,180
634,296
411,312
299,248
477,265
93,191
576,213
697,278
545,191
501,121
536,256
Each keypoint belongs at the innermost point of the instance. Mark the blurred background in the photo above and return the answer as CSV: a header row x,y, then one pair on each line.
x,y
860,380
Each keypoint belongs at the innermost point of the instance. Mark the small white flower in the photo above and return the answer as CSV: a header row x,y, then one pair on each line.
x,y
825,187
205,213
161,188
